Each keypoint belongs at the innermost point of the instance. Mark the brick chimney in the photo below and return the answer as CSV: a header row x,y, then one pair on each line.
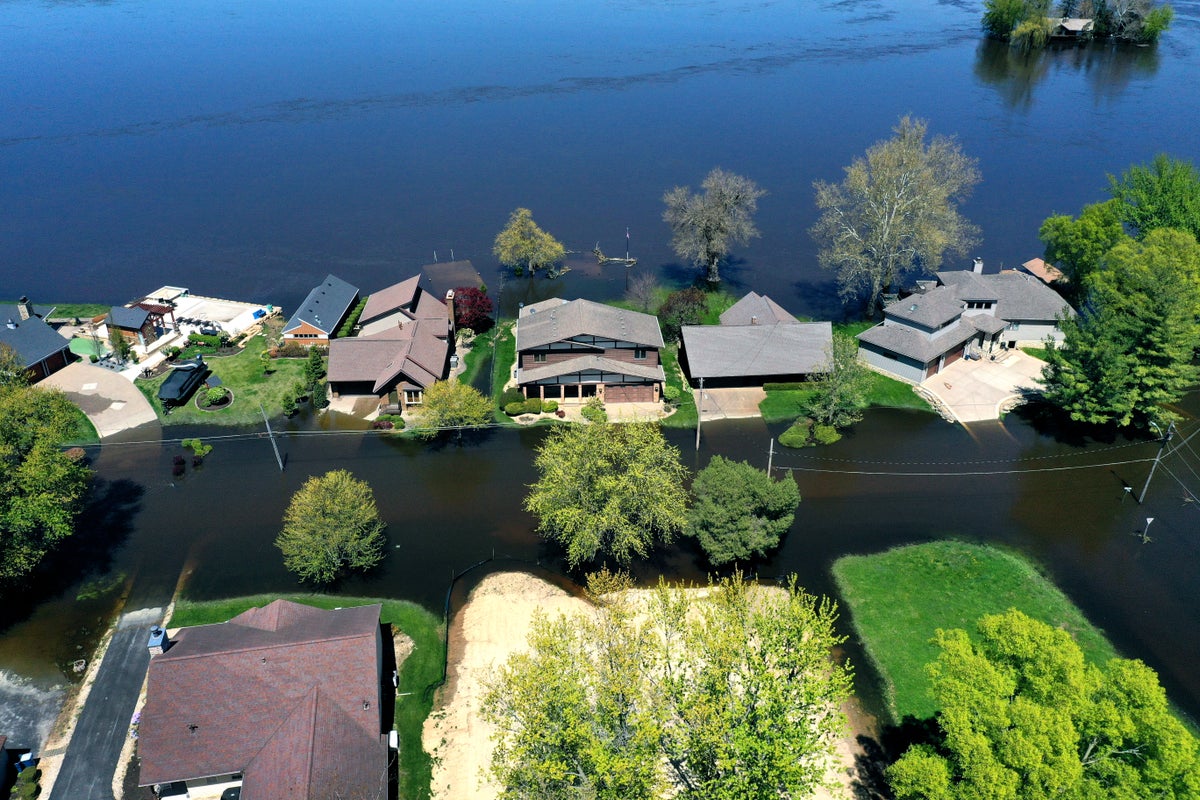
x,y
978,266
450,308
24,308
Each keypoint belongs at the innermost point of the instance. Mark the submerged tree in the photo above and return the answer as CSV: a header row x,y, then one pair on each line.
x,y
705,226
896,212
842,388
330,528
740,512
523,246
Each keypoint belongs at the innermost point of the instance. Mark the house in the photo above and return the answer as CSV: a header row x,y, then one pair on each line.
x,y
24,330
963,312
140,325
318,318
402,345
571,351
1071,27
283,701
756,342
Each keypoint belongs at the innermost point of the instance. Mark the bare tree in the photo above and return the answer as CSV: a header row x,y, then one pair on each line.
x,y
896,212
704,226
641,292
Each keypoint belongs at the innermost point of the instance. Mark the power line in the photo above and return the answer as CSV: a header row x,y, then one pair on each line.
x,y
966,474
1189,492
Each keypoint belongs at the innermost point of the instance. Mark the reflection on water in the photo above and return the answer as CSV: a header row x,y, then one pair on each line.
x,y
1107,68
26,710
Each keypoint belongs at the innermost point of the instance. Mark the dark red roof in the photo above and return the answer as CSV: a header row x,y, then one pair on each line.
x,y
286,694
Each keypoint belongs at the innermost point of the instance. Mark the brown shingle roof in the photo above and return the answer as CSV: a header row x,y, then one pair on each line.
x,y
410,350
393,298
288,695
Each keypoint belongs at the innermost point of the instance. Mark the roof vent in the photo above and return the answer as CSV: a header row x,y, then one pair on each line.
x,y
753,320
913,307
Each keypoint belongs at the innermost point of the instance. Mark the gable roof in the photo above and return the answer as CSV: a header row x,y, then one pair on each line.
x,y
728,351
539,325
31,339
1046,273
325,305
443,276
1018,296
286,694
412,351
595,363
756,309
131,319
393,298
405,301
916,345
931,309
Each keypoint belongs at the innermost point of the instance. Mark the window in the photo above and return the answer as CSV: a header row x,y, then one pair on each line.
x,y
1014,326
979,304
639,354
539,358
413,397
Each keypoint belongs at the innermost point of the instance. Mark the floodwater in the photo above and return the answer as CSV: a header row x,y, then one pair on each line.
x,y
244,150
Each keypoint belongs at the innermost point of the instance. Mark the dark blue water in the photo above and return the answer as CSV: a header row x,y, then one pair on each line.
x,y
245,150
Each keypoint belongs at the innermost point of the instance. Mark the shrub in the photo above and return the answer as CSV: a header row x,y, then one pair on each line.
x,y
793,386
514,409
382,425
93,358
352,320
513,395
825,434
549,406
215,395
670,393
533,405
594,411
208,340
797,435
289,404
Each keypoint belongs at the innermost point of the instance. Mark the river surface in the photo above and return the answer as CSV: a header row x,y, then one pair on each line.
x,y
244,150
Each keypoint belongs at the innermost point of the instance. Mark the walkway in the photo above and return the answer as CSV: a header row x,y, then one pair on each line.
x,y
974,391
730,403
110,400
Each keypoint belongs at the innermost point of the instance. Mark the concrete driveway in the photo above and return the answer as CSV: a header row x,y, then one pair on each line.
x,y
111,401
729,403
974,391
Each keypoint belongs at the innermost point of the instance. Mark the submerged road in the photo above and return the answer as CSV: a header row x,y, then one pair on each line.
x,y
95,747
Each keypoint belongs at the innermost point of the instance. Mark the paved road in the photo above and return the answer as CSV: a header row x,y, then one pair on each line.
x,y
91,759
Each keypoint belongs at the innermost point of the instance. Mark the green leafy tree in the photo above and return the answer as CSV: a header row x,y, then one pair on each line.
x,y
121,347
896,212
524,246
314,367
331,527
728,695
705,226
42,490
12,369
1002,17
1077,246
1163,194
608,490
1024,717
842,389
1130,350
739,512
451,404
684,307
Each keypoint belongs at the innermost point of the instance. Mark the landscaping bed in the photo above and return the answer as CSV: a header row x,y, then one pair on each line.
x,y
897,599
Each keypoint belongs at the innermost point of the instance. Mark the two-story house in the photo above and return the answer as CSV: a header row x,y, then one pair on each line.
x,y
963,312
571,351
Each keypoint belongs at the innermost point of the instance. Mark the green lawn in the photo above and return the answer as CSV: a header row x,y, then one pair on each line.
x,y
1037,352
420,671
243,375
502,366
475,359
87,347
890,393
897,599
68,311
84,432
686,416
785,405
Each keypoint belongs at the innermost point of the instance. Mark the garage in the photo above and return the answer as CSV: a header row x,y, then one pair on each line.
x,y
629,393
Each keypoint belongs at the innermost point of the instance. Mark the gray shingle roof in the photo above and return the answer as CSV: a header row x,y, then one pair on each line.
x,y
931,309
585,318
584,363
32,339
325,305
912,343
443,276
727,351
755,306
1018,296
131,319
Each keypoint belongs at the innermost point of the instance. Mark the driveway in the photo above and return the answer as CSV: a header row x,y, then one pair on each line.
x,y
974,391
730,403
111,401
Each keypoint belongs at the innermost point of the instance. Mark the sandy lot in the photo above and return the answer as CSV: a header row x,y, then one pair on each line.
x,y
493,625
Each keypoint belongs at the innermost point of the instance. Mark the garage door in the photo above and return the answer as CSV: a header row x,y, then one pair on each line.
x,y
955,356
637,393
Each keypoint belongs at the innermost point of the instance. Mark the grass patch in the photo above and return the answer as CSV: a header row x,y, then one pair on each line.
x,y
853,329
475,358
83,432
686,415
243,375
81,346
420,670
891,393
717,303
785,405
898,598
71,310
505,337
1037,352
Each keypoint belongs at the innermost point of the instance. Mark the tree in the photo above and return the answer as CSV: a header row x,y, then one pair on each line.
x,y
1077,246
472,309
684,307
643,288
609,490
739,512
451,404
1164,194
896,212
331,527
314,367
1002,17
1024,717
120,345
42,489
842,389
12,368
705,226
1130,350
729,694
523,246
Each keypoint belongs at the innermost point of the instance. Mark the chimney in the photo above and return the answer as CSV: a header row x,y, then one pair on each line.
x,y
24,308
978,266
754,320
450,308
159,641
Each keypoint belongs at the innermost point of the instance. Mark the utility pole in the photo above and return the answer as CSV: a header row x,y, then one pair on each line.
x,y
771,455
271,436
1157,457
699,413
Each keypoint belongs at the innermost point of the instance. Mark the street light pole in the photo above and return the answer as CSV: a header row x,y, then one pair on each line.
x,y
1157,457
